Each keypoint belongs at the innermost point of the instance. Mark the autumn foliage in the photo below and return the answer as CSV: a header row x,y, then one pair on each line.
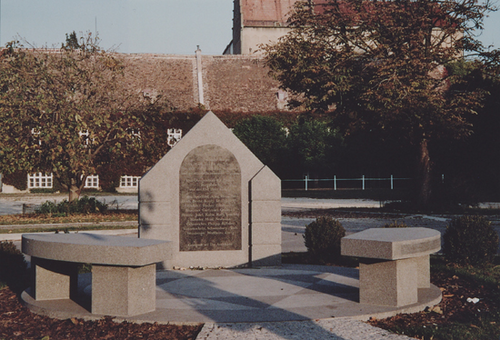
x,y
66,112
382,66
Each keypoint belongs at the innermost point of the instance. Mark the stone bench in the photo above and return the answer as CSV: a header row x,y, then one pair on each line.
x,y
123,269
394,263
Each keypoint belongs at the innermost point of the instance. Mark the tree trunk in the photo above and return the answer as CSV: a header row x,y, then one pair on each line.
x,y
74,192
75,188
72,185
424,186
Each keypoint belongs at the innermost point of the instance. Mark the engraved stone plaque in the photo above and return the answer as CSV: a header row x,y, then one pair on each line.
x,y
210,200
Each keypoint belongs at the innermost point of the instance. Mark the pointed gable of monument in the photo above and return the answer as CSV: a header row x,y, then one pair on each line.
x,y
211,130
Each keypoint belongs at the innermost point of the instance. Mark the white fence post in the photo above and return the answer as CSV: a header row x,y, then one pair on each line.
x,y
363,180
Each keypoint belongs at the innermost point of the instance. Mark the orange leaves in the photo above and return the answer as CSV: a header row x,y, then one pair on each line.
x,y
60,95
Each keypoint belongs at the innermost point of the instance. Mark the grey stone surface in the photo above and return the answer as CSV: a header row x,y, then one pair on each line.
x,y
123,271
265,205
289,293
53,280
423,271
96,249
388,283
324,329
391,243
394,263
205,195
210,200
123,291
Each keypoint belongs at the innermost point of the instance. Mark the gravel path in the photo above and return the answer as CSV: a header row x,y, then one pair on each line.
x,y
334,329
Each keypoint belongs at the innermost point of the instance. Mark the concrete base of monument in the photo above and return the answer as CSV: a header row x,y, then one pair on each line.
x,y
286,293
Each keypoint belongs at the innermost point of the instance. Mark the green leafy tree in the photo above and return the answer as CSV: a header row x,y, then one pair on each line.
x,y
313,147
380,65
470,240
67,112
470,163
71,41
265,137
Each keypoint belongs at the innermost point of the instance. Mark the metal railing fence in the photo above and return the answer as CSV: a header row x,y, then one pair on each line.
x,y
336,183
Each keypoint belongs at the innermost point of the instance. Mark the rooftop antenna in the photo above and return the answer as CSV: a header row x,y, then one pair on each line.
x,y
95,26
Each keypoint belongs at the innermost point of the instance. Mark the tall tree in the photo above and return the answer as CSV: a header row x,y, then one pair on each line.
x,y
382,65
66,112
265,137
313,148
71,41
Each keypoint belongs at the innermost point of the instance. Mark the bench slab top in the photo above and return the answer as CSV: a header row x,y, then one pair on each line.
x,y
391,243
96,249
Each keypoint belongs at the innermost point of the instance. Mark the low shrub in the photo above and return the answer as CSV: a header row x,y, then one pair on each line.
x,y
84,205
42,191
470,240
395,224
322,239
12,266
48,207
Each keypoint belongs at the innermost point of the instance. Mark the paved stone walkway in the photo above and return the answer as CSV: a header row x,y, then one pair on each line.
x,y
290,302
324,329
290,292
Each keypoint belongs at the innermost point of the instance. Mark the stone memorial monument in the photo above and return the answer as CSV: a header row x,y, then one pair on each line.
x,y
214,199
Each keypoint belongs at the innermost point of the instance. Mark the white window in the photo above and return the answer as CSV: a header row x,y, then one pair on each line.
x,y
134,133
40,181
36,135
129,181
85,136
173,136
92,181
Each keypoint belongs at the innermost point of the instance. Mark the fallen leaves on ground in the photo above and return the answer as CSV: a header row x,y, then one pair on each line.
x,y
463,303
17,322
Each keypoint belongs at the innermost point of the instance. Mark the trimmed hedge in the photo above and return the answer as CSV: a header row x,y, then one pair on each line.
x,y
322,239
470,240
13,267
84,205
395,224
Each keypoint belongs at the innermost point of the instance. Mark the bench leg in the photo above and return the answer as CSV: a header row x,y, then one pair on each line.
x,y
389,283
123,291
424,271
53,279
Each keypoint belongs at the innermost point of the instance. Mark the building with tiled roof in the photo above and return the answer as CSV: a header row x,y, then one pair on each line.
x,y
258,22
